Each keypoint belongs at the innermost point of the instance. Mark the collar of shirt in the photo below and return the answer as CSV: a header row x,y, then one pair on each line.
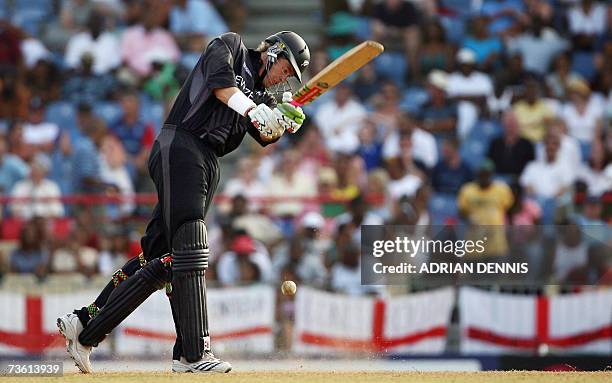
x,y
254,62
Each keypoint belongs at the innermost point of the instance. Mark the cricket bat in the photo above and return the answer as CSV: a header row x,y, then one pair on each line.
x,y
337,71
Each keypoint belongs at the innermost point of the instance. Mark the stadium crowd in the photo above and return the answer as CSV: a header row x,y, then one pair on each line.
x,y
489,112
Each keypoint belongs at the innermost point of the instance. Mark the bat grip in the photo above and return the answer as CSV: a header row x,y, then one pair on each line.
x,y
295,103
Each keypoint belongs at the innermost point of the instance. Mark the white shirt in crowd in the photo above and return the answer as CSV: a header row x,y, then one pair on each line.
x,y
476,84
546,179
340,126
569,153
597,182
228,270
424,147
105,51
39,134
582,126
38,206
119,177
568,258
593,23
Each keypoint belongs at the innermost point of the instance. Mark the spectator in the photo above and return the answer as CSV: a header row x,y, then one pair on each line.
x,y
94,41
547,178
83,85
597,174
583,115
484,201
308,265
587,19
114,173
406,173
435,52
569,150
532,112
524,211
30,257
487,48
347,180
136,135
510,152
10,45
38,132
451,172
243,248
424,148
559,80
146,43
43,79
484,204
370,146
245,183
439,115
41,194
86,167
75,256
312,226
571,251
469,85
12,168
367,83
340,120
397,23
73,17
345,274
14,94
387,109
538,46
193,22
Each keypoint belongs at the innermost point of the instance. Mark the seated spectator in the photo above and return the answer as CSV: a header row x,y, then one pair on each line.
x,y
84,86
435,53
75,256
347,184
583,115
308,265
569,149
243,249
340,120
597,174
559,80
595,271
439,115
587,20
86,167
15,142
43,79
547,178
524,211
451,172
511,75
407,175
14,94
510,152
194,22
397,23
571,251
538,46
370,146
367,83
42,195
135,134
532,112
94,41
487,48
73,17
245,183
30,257
345,274
468,84
386,105
11,55
37,131
114,249
424,149
114,173
12,168
146,43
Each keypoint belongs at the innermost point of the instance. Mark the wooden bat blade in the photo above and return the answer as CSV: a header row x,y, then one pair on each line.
x,y
337,71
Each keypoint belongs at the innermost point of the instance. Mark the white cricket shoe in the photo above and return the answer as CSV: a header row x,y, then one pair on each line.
x,y
208,363
70,327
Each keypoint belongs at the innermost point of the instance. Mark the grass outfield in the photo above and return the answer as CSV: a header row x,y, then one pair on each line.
x,y
325,377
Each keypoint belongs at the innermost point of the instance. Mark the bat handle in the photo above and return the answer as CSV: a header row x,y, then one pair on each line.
x,y
295,103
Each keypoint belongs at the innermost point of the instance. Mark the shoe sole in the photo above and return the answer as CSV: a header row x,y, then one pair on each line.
x,y
181,368
69,344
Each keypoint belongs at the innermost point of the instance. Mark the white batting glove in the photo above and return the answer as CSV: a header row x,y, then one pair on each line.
x,y
266,121
293,116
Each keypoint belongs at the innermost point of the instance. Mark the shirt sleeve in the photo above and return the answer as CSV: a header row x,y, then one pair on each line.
x,y
217,66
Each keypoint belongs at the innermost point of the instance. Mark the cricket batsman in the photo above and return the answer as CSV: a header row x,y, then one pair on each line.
x,y
223,98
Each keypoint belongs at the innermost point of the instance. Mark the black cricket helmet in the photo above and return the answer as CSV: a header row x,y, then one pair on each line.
x,y
291,46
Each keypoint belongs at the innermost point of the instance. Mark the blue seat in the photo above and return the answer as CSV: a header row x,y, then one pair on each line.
x,y
391,65
64,115
413,98
443,207
583,63
473,152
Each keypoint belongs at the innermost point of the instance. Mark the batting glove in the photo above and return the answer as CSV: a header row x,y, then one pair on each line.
x,y
294,116
266,121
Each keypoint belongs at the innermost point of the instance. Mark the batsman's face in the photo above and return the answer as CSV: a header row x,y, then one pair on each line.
x,y
279,73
